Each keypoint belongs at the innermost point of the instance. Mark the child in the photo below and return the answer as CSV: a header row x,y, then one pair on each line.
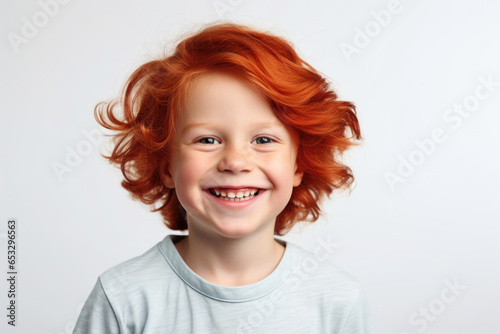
x,y
234,138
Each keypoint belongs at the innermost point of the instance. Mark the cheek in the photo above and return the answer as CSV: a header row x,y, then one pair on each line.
x,y
185,183
187,173
282,171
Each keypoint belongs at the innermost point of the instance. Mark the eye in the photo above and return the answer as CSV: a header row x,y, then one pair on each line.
x,y
209,140
263,140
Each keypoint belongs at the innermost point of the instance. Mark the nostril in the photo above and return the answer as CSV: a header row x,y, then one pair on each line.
x,y
235,157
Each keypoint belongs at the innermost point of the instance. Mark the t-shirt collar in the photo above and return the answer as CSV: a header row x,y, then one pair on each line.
x,y
234,294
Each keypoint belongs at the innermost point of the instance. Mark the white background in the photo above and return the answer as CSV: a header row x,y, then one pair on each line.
x,y
402,243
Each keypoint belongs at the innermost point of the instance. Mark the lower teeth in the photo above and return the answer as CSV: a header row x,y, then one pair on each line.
x,y
236,199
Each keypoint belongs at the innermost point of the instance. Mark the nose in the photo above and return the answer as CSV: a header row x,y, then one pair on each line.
x,y
235,160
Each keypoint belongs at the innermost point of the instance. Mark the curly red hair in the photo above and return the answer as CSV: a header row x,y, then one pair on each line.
x,y
302,99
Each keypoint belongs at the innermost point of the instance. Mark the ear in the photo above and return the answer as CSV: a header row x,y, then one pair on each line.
x,y
166,175
297,177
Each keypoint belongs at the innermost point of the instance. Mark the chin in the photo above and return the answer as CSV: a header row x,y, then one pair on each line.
x,y
237,231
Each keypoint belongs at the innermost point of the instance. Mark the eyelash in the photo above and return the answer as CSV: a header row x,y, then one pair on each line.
x,y
204,139
268,140
213,141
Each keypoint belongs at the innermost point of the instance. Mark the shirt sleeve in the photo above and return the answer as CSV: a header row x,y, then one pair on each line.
x,y
359,320
97,315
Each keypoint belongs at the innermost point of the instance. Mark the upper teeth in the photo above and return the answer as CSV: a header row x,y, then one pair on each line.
x,y
239,194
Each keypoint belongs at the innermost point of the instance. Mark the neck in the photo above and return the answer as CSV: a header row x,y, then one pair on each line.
x,y
231,261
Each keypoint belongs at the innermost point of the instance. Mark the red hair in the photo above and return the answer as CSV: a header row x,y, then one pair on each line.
x,y
323,126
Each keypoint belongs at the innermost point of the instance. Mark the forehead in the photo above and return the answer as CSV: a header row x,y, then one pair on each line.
x,y
223,97
220,90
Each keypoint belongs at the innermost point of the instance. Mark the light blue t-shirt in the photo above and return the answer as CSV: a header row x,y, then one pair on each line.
x,y
157,292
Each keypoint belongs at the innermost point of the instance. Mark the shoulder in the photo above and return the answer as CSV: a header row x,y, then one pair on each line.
x,y
336,295
321,277
146,269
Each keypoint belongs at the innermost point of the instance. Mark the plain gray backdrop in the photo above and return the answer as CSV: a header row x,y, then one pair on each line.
x,y
424,216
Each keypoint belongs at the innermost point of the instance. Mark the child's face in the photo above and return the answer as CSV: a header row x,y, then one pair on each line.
x,y
229,144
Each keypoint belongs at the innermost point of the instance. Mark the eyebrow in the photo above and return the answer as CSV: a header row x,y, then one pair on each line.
x,y
264,125
195,125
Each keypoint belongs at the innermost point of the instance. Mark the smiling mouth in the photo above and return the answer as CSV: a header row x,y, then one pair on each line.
x,y
234,195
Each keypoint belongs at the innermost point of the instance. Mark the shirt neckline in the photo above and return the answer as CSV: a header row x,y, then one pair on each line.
x,y
233,294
